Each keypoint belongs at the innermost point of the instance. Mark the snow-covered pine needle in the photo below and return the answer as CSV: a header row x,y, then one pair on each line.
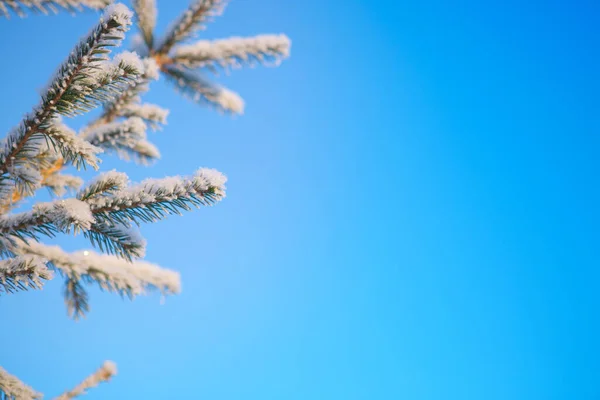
x,y
105,220
12,388
233,52
104,185
126,138
153,115
47,219
109,272
198,89
46,6
130,96
72,148
192,20
154,199
103,374
117,239
22,273
145,11
84,80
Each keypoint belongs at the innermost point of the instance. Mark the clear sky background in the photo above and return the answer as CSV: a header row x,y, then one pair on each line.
x,y
412,212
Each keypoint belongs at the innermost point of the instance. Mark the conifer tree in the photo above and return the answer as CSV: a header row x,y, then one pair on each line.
x,y
108,210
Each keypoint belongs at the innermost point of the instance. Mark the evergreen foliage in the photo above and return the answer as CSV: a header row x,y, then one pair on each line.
x,y
108,210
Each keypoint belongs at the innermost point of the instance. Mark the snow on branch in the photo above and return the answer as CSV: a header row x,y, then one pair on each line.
x,y
146,19
73,215
131,95
151,113
84,80
117,239
104,184
47,219
127,138
45,6
12,388
72,148
154,199
106,210
198,89
109,272
192,20
103,374
234,52
23,272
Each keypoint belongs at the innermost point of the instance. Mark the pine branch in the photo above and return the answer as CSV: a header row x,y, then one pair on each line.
x,y
22,273
43,151
76,298
83,81
233,52
104,185
12,388
126,138
146,19
105,219
131,95
19,7
196,88
72,148
192,20
153,115
116,239
110,273
103,374
154,199
72,215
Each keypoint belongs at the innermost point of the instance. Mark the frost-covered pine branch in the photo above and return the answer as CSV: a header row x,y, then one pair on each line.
x,y
108,211
233,52
180,62
22,273
131,96
146,14
196,88
12,388
19,7
103,374
104,215
86,79
112,274
154,199
117,239
192,20
127,138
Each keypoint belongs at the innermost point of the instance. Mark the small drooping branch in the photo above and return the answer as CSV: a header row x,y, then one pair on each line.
x,y
103,374
200,90
110,273
192,20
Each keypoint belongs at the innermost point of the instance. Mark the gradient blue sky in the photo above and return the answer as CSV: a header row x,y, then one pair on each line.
x,y
412,213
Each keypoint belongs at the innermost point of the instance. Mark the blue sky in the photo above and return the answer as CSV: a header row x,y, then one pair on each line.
x,y
411,212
